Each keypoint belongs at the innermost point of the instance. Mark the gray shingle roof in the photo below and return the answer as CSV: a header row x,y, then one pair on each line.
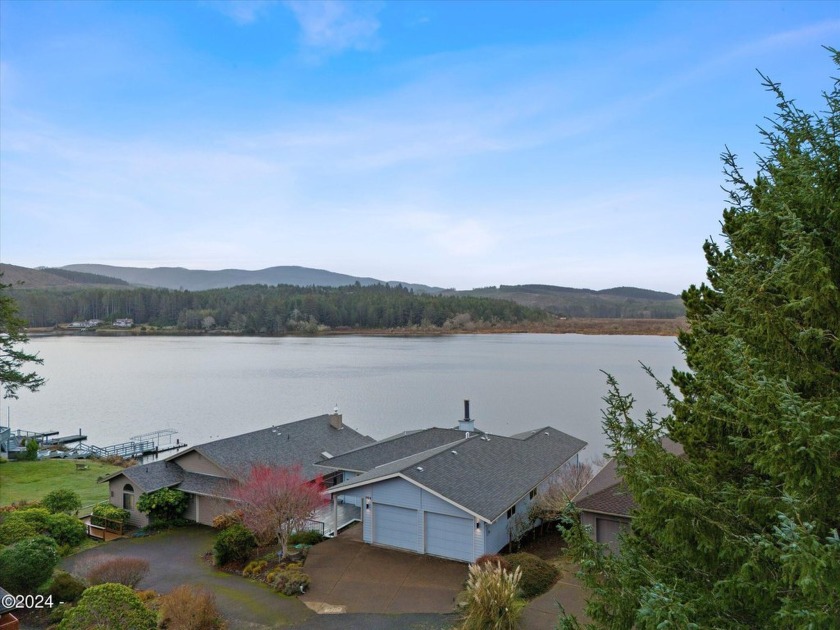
x,y
393,448
196,483
301,442
615,499
486,474
152,476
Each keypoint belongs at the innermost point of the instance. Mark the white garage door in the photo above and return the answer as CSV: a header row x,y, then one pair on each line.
x,y
449,536
395,526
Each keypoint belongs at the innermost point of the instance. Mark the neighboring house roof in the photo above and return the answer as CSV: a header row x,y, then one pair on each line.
x,y
390,449
606,492
152,476
302,442
615,500
482,474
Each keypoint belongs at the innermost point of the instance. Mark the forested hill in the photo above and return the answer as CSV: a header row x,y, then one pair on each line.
x,y
45,277
202,279
258,309
620,302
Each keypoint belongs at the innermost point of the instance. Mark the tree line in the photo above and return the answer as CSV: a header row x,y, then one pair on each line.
x,y
260,309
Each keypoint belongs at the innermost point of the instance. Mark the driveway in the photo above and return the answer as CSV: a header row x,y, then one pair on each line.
x,y
176,557
351,576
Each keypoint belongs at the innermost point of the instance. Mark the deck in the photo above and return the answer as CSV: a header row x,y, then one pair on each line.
x,y
347,513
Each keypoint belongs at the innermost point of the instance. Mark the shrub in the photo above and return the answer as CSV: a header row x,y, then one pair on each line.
x,y
233,544
27,564
289,581
223,521
537,575
189,608
15,530
255,568
65,587
306,537
109,607
65,501
58,611
65,529
24,523
31,452
494,559
107,511
146,595
125,570
492,598
163,505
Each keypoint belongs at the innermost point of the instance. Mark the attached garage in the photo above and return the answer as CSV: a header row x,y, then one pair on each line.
x,y
395,526
607,531
449,536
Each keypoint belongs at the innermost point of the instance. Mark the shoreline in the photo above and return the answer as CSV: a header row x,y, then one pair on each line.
x,y
599,326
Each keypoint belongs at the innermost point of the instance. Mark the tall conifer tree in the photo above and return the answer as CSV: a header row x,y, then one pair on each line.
x,y
742,532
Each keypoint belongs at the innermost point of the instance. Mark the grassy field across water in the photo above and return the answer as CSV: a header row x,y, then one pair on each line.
x,y
30,481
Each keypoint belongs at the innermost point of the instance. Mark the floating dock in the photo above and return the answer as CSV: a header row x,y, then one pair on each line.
x,y
138,446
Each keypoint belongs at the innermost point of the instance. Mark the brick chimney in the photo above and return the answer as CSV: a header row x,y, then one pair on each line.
x,y
336,421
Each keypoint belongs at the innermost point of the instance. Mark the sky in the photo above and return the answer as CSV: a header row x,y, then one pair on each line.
x,y
454,144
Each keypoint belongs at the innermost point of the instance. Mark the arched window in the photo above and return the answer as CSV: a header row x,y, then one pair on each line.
x,y
128,496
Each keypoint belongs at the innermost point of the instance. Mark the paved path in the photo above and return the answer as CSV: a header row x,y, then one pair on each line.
x,y
542,612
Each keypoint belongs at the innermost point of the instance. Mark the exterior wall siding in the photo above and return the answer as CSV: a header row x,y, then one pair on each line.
x,y
190,513
208,508
197,463
496,535
117,487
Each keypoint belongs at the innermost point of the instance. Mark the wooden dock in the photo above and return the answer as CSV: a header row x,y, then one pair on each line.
x,y
138,446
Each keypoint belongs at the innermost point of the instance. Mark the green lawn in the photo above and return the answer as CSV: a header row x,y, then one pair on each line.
x,y
32,480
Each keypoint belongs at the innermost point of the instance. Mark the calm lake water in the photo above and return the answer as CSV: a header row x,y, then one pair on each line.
x,y
206,388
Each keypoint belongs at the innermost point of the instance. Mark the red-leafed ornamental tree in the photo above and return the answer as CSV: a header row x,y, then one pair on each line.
x,y
276,501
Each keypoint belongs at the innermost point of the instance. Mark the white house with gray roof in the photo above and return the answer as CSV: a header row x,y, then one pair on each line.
x,y
452,493
208,471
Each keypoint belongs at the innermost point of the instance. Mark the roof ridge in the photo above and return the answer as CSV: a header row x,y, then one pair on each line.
x,y
431,453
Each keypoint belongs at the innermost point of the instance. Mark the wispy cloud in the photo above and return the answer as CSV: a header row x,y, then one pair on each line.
x,y
452,235
241,11
332,26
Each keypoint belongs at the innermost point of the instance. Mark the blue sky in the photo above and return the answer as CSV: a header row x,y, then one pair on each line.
x,y
458,144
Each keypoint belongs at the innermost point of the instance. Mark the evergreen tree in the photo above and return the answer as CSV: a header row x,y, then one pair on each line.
x,y
742,532
12,356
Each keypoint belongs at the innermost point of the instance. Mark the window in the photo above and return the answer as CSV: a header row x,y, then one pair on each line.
x,y
533,494
511,511
128,497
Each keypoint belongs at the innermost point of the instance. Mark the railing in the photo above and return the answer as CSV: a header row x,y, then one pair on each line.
x,y
126,449
313,525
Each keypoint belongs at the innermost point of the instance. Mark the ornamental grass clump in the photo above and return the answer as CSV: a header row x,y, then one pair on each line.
x,y
492,598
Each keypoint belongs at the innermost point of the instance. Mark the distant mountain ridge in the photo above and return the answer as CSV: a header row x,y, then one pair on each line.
x,y
49,278
201,280
617,302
